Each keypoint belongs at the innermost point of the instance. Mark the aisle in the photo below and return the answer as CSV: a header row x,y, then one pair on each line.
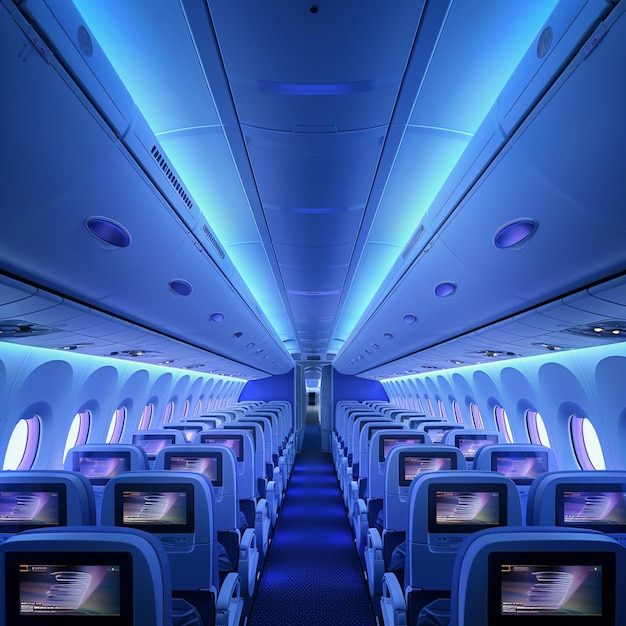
x,y
312,576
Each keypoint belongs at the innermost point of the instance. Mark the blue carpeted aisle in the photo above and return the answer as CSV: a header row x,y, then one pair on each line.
x,y
312,575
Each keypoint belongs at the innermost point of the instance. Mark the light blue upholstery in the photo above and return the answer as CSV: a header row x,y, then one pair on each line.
x,y
33,498
90,550
99,462
574,554
255,508
240,546
593,499
444,508
403,464
187,528
522,463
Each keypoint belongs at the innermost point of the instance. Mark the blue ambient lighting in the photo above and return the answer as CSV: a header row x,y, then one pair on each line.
x,y
108,231
217,317
315,89
514,233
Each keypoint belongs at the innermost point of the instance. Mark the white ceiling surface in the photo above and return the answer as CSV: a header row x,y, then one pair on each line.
x,y
319,143
314,215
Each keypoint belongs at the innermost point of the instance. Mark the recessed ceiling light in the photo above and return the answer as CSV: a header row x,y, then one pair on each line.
x,y
388,336
409,318
217,317
445,289
181,287
108,231
514,233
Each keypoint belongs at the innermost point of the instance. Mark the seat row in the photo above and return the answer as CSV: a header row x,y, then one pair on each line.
x,y
415,502
203,501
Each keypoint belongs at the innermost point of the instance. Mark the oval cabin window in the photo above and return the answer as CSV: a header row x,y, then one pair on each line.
x,y
79,429
537,431
586,443
23,444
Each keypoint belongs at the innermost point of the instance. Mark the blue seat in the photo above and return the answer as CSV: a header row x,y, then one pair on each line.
x,y
218,463
594,500
253,507
366,495
95,574
469,440
178,509
403,464
155,439
266,485
444,508
100,462
535,576
522,463
44,498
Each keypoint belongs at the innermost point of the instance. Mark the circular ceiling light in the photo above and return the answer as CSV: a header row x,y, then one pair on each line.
x,y
217,317
108,231
514,233
409,318
180,287
445,289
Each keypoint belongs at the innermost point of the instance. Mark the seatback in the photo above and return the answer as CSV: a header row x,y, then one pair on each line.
x,y
403,465
444,508
209,420
470,440
177,507
99,462
155,439
258,441
381,443
362,438
594,500
537,576
128,568
437,429
268,440
522,463
44,498
219,465
241,444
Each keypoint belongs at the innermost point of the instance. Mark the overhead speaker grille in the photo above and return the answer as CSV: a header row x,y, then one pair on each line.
x,y
177,186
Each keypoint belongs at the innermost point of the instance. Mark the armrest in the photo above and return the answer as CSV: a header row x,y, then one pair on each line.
x,y
248,564
392,602
272,500
351,500
262,525
374,562
360,524
229,605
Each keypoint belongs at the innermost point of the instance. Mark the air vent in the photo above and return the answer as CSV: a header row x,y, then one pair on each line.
x,y
14,329
409,246
211,237
605,329
177,186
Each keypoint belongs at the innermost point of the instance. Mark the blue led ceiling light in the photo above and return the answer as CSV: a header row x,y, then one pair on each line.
x,y
108,231
514,233
409,318
180,287
445,289
217,317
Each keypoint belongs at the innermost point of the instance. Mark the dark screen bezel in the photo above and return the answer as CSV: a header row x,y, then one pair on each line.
x,y
490,439
156,529
494,588
169,438
398,437
13,560
59,488
218,482
99,454
222,437
519,454
561,488
465,528
403,481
